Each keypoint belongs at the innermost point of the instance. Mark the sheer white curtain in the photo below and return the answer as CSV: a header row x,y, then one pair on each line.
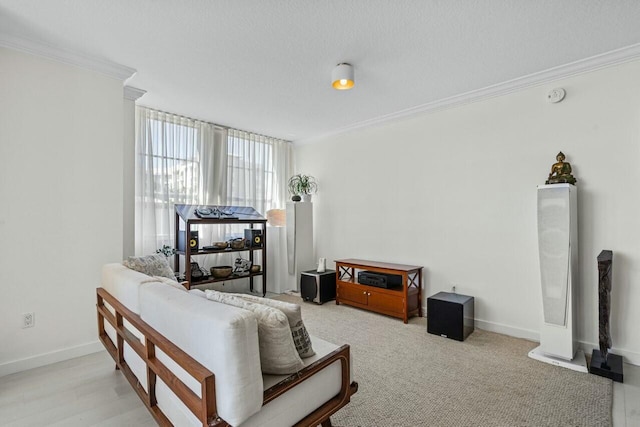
x,y
178,160
258,170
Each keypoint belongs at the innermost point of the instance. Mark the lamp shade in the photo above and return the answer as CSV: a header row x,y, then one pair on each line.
x,y
342,77
277,217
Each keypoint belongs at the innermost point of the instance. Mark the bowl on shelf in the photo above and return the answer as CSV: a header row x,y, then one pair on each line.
x,y
221,271
238,243
221,245
255,269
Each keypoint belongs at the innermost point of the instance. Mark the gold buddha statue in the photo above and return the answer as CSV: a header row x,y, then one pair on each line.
x,y
561,172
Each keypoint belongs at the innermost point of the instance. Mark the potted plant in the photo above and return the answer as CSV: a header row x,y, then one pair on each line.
x,y
166,250
302,186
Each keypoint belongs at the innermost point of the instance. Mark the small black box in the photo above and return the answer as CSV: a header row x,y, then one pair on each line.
x,y
318,287
450,315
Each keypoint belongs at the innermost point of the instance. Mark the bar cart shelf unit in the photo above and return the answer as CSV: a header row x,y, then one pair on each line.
x,y
187,216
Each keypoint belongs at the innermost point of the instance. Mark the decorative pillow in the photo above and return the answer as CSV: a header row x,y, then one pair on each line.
x,y
278,354
151,265
299,333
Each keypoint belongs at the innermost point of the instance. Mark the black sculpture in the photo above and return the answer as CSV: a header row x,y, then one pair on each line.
x,y
604,302
602,362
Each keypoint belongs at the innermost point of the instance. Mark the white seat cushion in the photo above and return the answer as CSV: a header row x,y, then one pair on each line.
x,y
303,399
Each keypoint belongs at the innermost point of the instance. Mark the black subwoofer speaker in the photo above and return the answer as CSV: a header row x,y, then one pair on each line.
x,y
450,315
318,287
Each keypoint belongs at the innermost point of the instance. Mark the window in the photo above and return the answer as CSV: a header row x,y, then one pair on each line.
x,y
174,162
185,161
251,175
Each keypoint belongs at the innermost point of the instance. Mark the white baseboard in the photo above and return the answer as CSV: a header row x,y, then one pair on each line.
x,y
500,328
49,358
628,356
508,330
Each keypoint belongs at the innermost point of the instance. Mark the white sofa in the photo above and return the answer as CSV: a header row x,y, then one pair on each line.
x,y
195,362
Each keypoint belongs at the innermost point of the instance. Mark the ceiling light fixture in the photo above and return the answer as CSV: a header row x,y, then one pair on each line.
x,y
342,77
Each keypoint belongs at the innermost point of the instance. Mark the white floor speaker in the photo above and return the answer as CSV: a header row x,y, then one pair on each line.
x,y
558,252
299,241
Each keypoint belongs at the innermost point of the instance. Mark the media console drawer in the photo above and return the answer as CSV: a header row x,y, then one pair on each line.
x,y
370,297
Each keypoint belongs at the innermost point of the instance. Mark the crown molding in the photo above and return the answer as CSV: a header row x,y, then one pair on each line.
x,y
132,94
93,63
593,63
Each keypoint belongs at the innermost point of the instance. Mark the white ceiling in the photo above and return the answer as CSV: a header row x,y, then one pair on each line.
x,y
265,65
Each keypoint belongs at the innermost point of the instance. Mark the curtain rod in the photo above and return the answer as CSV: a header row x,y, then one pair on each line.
x,y
217,126
184,117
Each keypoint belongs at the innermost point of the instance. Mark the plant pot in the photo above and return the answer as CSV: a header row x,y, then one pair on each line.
x,y
306,197
295,198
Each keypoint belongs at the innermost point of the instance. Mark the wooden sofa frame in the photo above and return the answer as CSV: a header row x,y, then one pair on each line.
x,y
204,408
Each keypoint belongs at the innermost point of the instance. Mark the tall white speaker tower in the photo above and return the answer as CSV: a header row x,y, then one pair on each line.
x,y
558,252
299,241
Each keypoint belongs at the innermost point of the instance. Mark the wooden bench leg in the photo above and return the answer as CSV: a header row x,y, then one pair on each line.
x,y
326,423
117,368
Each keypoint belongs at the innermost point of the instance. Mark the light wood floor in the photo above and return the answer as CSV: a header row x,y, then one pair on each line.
x,y
88,391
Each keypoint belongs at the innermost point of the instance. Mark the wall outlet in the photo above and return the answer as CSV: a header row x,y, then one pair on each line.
x,y
28,320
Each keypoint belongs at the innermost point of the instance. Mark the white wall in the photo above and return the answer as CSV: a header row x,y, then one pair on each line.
x,y
455,191
61,191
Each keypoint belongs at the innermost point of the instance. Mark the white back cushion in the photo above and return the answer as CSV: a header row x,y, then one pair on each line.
x,y
222,338
123,284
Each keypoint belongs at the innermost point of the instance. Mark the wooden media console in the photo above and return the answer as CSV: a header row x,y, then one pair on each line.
x,y
402,302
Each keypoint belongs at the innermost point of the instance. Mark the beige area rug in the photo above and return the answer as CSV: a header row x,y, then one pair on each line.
x,y
408,377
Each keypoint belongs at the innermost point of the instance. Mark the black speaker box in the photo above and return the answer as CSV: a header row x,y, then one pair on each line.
x,y
193,241
380,280
318,287
450,315
253,237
